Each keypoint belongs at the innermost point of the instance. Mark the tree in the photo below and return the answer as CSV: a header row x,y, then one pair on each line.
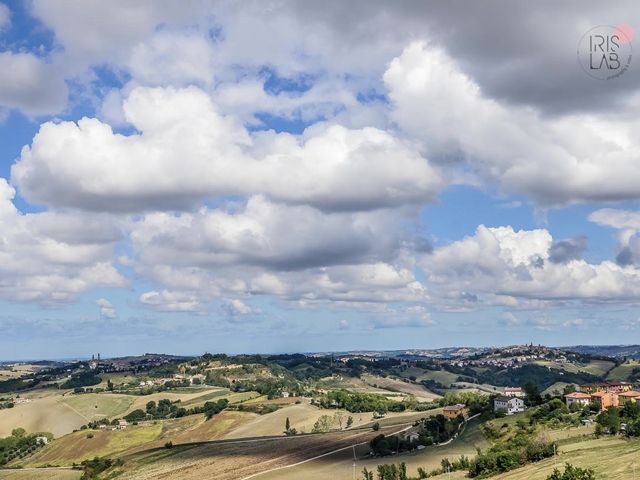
x,y
376,427
349,421
287,425
110,385
18,432
533,393
609,420
572,473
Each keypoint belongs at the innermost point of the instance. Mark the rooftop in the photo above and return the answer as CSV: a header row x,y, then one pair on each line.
x,y
578,395
630,393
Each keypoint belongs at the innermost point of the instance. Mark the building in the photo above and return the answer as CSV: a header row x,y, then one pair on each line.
x,y
412,436
514,392
579,398
122,424
453,411
607,387
628,396
508,405
197,379
604,399
42,440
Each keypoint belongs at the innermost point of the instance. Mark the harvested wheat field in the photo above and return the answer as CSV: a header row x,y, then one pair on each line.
x,y
40,474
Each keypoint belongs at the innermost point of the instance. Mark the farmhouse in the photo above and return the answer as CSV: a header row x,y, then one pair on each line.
x,y
508,405
578,398
122,424
453,411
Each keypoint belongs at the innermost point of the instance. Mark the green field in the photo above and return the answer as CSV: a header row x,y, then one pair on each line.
x,y
555,389
594,367
622,372
611,458
440,376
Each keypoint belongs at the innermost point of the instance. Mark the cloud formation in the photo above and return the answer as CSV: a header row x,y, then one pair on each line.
x,y
566,159
52,257
187,151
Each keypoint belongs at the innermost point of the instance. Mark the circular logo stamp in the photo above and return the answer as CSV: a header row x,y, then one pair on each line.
x,y
605,51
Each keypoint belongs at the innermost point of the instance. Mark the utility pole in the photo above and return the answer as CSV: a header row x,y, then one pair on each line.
x,y
354,461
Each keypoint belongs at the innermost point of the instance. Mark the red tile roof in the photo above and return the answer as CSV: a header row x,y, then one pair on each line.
x,y
578,395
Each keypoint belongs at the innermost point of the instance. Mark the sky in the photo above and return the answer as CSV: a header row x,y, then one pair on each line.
x,y
284,176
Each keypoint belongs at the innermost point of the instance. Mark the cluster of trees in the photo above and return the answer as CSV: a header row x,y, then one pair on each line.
x,y
520,375
615,420
519,450
399,471
438,429
165,408
388,472
17,384
259,408
82,379
476,402
327,423
360,402
6,402
382,445
555,414
572,473
94,467
19,444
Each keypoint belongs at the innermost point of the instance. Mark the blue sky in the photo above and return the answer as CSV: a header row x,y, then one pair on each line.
x,y
193,177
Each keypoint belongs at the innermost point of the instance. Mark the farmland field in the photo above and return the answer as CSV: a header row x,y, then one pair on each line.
x,y
340,465
594,367
622,372
235,460
46,414
77,446
440,376
94,406
394,385
40,474
611,458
